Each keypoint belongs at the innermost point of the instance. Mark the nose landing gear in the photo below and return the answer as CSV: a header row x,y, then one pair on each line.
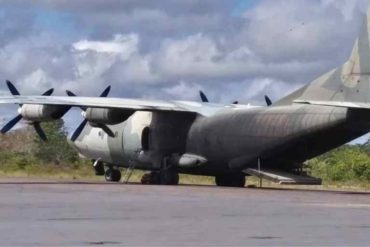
x,y
112,175
98,168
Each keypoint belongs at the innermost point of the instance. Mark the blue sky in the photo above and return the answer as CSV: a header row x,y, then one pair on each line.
x,y
232,50
243,5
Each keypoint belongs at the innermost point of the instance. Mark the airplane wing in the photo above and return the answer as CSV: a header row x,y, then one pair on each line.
x,y
205,109
98,102
346,104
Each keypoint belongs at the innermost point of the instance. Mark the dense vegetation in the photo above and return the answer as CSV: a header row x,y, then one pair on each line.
x,y
23,153
349,163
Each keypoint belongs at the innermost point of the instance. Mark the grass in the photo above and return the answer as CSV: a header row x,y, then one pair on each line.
x,y
81,171
49,171
86,172
23,155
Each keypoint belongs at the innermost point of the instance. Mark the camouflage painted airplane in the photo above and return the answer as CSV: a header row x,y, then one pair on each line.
x,y
224,141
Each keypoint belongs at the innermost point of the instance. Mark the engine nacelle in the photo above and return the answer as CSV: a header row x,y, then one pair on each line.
x,y
106,116
38,113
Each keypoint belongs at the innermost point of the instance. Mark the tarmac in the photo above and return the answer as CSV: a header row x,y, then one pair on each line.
x,y
49,213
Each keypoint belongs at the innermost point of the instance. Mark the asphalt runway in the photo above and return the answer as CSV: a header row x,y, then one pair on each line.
x,y
34,212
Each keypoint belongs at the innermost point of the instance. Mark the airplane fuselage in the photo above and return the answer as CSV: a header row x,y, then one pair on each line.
x,y
230,140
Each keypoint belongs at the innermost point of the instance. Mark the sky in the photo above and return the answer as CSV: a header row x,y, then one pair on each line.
x,y
170,49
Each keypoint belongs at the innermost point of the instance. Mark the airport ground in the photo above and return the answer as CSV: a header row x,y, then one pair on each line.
x,y
59,212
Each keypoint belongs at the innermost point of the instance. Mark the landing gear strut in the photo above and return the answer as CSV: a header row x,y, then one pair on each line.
x,y
98,167
112,175
230,180
164,177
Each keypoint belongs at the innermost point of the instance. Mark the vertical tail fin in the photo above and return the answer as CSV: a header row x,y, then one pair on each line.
x,y
349,82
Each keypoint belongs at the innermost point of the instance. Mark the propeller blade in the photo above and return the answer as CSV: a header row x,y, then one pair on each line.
x,y
78,131
107,130
49,92
203,97
11,124
105,92
82,125
268,100
39,131
12,88
69,93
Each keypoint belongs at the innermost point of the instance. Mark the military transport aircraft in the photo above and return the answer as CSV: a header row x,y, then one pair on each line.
x,y
224,141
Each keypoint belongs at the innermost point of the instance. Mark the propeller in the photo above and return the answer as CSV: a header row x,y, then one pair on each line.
x,y
268,100
13,90
204,98
82,125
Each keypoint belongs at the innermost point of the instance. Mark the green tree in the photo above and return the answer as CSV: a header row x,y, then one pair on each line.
x,y
57,149
347,163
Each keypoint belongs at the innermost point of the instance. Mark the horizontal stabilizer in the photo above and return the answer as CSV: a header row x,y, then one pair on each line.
x,y
282,177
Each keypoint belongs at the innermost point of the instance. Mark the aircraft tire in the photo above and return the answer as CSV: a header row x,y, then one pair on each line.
x,y
230,180
151,178
169,177
112,175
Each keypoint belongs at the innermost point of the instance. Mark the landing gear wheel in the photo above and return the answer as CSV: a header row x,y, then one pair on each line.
x,y
98,168
112,175
150,178
169,177
230,180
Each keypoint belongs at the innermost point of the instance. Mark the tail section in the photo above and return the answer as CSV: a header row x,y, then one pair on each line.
x,y
348,83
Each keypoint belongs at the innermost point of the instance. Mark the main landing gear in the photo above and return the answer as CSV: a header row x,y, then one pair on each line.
x,y
230,180
164,177
167,175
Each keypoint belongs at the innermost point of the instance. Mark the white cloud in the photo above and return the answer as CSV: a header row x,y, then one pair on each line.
x,y
124,45
36,82
171,49
183,91
157,50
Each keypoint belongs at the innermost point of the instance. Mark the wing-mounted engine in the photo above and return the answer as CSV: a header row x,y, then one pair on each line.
x,y
96,116
34,114
100,117
41,113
